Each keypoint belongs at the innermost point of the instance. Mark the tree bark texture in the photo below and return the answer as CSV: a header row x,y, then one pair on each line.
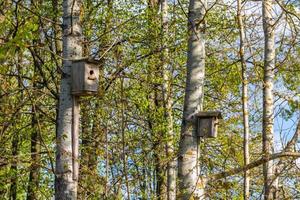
x,y
268,104
65,181
167,94
188,169
244,99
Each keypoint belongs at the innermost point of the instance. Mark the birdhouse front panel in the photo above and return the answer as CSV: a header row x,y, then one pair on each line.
x,y
206,127
85,78
207,124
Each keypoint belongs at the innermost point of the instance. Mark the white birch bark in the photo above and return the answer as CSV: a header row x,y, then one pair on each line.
x,y
188,169
244,99
65,183
167,92
268,104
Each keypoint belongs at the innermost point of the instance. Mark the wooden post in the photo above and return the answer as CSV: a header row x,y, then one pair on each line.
x,y
75,137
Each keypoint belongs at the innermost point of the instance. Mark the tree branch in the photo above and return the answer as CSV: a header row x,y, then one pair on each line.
x,y
253,165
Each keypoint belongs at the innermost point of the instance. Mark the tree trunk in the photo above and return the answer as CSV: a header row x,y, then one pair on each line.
x,y
156,102
268,104
66,179
33,182
171,165
14,167
188,169
244,99
35,147
13,193
123,127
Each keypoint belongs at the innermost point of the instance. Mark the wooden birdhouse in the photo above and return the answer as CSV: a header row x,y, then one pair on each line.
x,y
85,78
207,124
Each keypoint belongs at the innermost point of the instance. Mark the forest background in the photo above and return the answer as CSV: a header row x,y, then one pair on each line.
x,y
126,145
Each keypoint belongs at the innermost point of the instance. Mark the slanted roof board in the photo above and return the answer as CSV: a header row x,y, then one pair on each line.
x,y
203,114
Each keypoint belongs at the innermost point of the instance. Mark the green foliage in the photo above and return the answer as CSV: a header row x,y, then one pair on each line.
x,y
123,129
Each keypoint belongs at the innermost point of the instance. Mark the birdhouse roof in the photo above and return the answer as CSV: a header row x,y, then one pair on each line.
x,y
86,60
208,114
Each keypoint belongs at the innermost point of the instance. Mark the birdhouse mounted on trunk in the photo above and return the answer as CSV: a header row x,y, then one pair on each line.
x,y
85,77
207,124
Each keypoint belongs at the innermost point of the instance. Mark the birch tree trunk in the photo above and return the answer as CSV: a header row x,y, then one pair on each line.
x,y
268,104
188,169
66,180
244,99
171,165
